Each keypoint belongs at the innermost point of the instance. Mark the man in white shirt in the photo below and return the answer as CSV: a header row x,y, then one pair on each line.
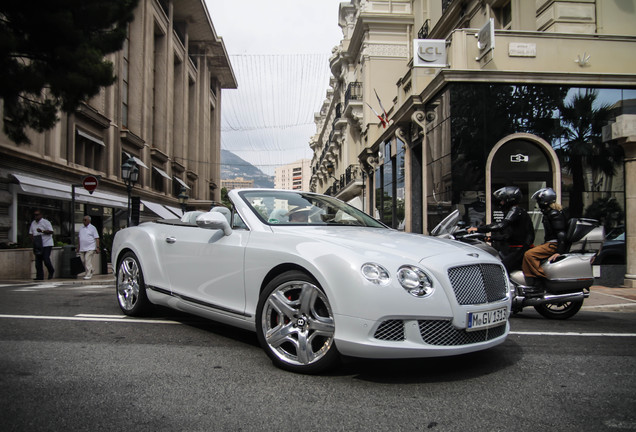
x,y
88,245
42,228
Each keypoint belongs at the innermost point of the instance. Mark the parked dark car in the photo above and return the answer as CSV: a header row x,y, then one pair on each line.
x,y
613,250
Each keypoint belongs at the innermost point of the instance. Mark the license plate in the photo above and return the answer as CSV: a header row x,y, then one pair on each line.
x,y
485,319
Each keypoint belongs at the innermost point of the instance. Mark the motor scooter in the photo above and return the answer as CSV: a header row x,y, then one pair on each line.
x,y
569,277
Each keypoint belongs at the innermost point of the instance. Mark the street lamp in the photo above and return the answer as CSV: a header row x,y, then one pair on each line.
x,y
130,175
330,170
183,199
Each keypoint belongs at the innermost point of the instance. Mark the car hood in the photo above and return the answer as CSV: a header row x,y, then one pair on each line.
x,y
379,241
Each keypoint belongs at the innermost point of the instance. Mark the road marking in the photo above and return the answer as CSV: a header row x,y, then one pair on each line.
x,y
530,333
108,318
125,319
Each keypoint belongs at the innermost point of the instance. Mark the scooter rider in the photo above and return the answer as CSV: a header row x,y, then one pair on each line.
x,y
514,234
555,226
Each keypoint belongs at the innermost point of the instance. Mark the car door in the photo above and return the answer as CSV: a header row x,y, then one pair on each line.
x,y
205,266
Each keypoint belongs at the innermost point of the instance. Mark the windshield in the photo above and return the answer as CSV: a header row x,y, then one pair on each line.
x,y
277,207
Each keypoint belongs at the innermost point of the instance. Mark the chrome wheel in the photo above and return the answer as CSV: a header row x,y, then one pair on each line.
x,y
131,292
296,325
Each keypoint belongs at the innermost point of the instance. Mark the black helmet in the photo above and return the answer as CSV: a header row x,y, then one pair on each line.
x,y
508,196
545,197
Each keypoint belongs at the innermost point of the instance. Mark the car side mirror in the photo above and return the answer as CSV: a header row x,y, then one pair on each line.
x,y
214,220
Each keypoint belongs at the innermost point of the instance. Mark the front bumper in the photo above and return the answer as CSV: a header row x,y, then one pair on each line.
x,y
412,338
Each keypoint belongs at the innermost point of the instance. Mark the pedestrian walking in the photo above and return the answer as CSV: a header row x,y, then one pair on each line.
x,y
41,232
88,245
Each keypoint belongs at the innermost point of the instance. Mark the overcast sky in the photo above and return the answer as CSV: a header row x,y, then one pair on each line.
x,y
279,50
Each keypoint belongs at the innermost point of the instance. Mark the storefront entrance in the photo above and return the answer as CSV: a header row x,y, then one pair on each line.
x,y
525,161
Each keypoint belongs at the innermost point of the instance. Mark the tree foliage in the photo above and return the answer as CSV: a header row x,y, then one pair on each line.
x,y
52,57
583,120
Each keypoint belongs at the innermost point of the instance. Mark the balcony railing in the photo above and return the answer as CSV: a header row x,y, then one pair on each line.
x,y
423,33
350,175
353,92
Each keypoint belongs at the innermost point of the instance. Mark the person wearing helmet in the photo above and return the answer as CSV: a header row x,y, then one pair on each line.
x,y
514,234
555,226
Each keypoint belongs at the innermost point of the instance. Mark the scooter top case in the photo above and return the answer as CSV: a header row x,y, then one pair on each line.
x,y
569,273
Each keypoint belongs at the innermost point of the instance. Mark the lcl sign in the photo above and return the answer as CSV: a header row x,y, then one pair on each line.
x,y
429,53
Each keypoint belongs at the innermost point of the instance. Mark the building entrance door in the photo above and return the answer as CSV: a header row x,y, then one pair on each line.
x,y
521,163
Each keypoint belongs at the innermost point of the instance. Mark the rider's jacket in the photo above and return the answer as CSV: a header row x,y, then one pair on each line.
x,y
515,229
554,224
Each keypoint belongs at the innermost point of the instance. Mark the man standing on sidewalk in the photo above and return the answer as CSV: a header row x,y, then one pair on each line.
x,y
88,245
41,231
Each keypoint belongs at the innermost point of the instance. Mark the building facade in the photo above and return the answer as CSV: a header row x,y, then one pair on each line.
x,y
474,95
237,183
293,176
163,111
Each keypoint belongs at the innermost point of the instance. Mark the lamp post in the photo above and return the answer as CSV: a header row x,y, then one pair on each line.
x,y
130,175
183,199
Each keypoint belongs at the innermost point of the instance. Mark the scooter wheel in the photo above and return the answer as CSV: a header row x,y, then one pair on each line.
x,y
559,311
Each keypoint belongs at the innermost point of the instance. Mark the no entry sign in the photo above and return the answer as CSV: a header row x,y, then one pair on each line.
x,y
90,183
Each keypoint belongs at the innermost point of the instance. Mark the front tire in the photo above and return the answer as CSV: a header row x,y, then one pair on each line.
x,y
295,324
560,311
131,288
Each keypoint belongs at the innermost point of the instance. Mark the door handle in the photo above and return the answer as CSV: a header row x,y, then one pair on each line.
x,y
170,240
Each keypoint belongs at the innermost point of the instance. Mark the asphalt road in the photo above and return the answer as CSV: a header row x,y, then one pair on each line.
x,y
69,360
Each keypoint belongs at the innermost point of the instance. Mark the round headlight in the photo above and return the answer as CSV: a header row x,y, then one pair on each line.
x,y
375,273
415,281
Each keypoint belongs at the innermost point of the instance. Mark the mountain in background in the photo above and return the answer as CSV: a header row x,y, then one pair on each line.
x,y
233,166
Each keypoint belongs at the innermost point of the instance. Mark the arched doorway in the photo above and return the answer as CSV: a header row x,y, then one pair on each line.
x,y
525,161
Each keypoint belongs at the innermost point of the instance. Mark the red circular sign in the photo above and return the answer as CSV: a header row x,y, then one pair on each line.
x,y
90,183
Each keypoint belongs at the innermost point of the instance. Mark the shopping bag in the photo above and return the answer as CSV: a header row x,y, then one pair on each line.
x,y
77,266
37,245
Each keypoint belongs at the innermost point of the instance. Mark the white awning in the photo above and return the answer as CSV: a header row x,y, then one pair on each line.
x,y
90,137
137,160
40,186
181,182
175,210
159,210
162,172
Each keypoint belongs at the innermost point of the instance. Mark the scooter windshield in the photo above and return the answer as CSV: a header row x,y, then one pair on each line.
x,y
448,225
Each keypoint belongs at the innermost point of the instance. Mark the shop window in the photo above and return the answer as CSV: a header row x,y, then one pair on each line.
x,y
389,194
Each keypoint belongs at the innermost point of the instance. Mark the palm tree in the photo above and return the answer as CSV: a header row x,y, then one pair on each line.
x,y
582,144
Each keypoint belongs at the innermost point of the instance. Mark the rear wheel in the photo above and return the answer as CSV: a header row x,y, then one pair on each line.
x,y
295,324
131,289
559,311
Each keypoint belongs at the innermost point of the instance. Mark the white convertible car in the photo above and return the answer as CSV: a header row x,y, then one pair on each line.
x,y
315,278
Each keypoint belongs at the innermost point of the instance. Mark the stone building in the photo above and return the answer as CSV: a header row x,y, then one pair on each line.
x,y
237,183
163,111
434,104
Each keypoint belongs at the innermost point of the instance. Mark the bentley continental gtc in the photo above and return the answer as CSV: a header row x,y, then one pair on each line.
x,y
316,279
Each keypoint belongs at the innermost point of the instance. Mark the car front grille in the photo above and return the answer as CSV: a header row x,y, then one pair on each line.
x,y
392,330
478,283
441,332
438,332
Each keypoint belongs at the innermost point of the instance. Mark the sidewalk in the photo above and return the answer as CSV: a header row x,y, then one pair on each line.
x,y
602,298
96,279
609,299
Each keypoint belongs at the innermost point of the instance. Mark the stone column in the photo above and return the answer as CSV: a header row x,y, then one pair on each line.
x,y
623,131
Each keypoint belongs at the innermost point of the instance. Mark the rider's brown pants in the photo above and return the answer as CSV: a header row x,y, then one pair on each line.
x,y
531,265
